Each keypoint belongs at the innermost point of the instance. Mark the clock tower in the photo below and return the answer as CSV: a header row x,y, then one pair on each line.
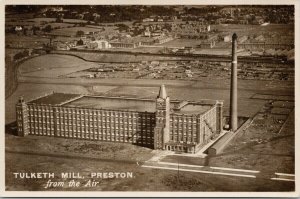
x,y
162,123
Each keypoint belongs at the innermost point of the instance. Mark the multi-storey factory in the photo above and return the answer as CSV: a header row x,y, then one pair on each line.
x,y
160,124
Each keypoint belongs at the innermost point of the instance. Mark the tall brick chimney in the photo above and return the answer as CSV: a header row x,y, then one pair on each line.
x,y
233,87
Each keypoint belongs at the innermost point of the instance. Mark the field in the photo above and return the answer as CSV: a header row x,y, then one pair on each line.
x,y
143,49
56,65
11,41
71,31
124,67
274,33
263,146
144,179
179,43
253,29
39,20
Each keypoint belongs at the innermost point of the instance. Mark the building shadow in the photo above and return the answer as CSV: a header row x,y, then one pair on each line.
x,y
145,130
11,129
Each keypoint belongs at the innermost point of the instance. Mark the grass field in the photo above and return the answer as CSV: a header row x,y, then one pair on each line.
x,y
71,31
262,147
56,65
179,43
64,155
253,28
274,33
38,20
25,41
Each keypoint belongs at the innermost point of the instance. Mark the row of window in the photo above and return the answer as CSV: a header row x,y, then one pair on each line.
x,y
183,122
183,139
47,133
91,130
91,124
210,114
100,136
179,148
186,132
105,128
95,114
94,119
183,125
107,120
105,124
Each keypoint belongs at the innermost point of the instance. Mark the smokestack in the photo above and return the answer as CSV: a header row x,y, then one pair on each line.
x,y
233,88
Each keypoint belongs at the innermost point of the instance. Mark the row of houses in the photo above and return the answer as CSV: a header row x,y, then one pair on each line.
x,y
208,44
128,43
190,29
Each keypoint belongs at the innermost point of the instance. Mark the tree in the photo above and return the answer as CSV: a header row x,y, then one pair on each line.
x,y
80,42
48,28
21,55
122,27
59,20
82,24
79,33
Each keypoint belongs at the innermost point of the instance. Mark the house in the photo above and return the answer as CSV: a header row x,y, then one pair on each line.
x,y
117,44
19,29
148,20
260,38
98,44
147,33
163,39
227,38
242,39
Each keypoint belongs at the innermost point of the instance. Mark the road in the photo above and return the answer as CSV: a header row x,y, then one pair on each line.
x,y
233,172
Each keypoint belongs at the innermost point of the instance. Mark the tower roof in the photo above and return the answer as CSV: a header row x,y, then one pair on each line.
x,y
162,92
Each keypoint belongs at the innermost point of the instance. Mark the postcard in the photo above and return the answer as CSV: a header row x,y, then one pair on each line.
x,y
180,98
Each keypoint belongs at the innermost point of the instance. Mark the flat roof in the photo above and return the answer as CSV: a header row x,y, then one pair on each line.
x,y
54,99
194,109
113,103
118,103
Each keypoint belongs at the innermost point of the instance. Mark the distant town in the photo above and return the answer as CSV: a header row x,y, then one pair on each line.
x,y
165,29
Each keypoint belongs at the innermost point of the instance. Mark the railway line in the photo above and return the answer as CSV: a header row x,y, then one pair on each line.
x,y
202,57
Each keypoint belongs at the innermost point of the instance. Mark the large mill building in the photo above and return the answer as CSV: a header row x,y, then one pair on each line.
x,y
159,123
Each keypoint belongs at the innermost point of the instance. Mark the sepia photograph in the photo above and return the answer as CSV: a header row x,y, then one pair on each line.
x,y
153,98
